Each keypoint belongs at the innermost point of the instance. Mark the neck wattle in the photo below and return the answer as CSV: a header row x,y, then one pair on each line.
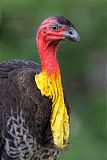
x,y
47,51
49,83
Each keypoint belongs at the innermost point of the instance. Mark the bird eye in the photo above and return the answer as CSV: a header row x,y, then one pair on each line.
x,y
54,27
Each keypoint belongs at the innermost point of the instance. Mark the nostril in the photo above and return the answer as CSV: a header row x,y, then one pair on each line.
x,y
70,32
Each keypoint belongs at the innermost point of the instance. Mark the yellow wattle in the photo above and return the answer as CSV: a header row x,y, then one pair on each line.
x,y
52,87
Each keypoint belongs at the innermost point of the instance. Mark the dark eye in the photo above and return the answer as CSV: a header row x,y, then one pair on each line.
x,y
54,27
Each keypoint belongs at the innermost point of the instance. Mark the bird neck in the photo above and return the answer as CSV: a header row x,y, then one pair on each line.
x,y
49,83
47,51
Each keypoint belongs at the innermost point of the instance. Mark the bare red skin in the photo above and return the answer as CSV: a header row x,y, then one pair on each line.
x,y
47,42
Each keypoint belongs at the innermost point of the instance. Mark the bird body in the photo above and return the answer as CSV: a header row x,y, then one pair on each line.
x,y
24,112
34,113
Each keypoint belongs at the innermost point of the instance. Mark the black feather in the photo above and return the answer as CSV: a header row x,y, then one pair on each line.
x,y
63,20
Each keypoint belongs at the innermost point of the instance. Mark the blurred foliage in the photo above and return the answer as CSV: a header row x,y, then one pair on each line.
x,y
83,65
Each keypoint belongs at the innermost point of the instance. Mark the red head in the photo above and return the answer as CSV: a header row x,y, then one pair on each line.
x,y
51,31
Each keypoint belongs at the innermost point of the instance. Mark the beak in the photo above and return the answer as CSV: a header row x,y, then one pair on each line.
x,y
71,34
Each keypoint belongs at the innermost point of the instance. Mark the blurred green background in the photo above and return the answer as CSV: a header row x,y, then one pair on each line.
x,y
83,65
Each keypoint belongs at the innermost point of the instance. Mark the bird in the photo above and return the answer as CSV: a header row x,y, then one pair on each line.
x,y
34,110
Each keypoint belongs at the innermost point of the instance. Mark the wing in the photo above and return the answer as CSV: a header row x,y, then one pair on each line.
x,y
24,112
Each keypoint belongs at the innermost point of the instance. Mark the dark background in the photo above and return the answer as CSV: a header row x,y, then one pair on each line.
x,y
83,65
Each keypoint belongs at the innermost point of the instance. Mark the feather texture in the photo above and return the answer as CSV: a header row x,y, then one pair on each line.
x,y
25,131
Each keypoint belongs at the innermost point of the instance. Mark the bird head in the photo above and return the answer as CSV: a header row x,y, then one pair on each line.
x,y
58,28
51,31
